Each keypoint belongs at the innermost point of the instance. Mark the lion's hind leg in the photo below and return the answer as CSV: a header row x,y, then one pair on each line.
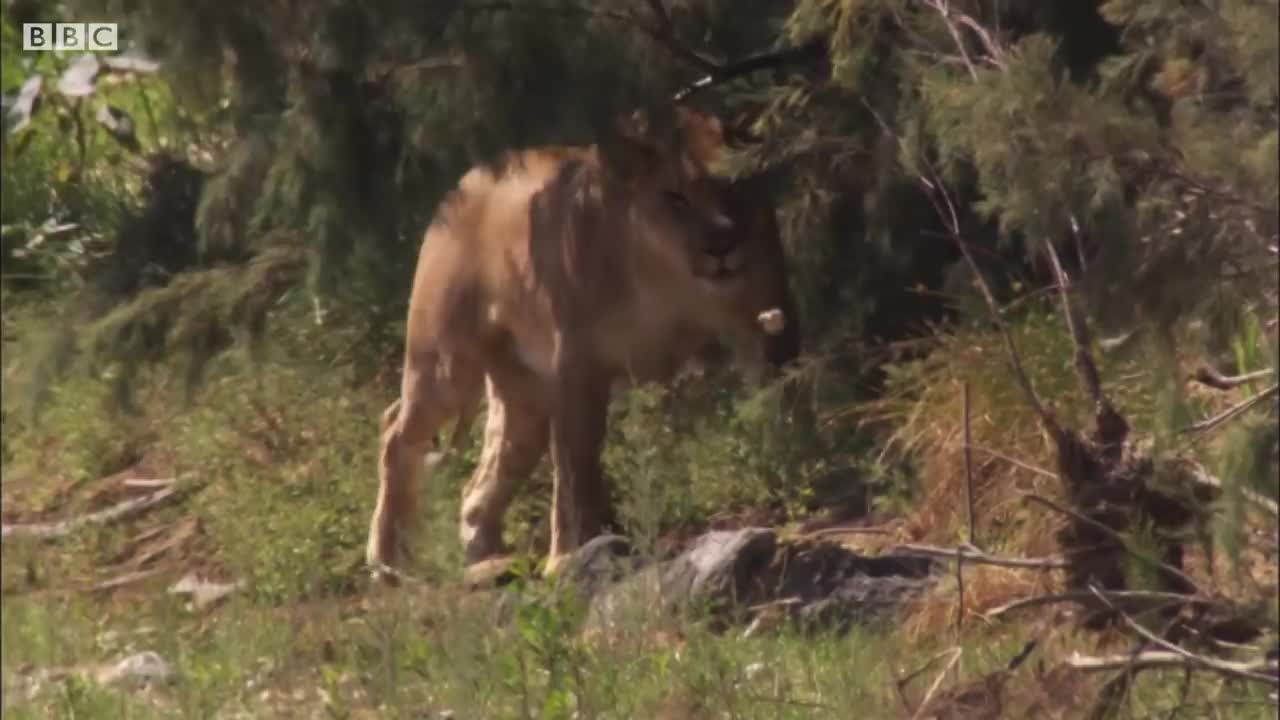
x,y
434,389
515,440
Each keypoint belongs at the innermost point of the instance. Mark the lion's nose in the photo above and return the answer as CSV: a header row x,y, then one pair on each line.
x,y
720,242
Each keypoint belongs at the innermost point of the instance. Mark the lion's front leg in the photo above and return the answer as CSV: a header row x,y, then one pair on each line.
x,y
579,503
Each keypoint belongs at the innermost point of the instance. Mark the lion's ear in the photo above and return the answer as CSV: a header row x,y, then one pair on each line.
x,y
629,147
702,138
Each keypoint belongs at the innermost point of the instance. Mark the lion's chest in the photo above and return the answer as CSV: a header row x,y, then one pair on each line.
x,y
625,345
648,348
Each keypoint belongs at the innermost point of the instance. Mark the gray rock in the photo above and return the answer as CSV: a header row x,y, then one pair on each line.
x,y
602,561
736,575
143,667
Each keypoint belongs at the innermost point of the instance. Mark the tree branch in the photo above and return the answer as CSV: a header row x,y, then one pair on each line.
x,y
1222,417
950,218
811,52
1113,535
665,33
1111,429
1166,659
1081,595
126,509
1206,375
1202,476
1232,669
974,555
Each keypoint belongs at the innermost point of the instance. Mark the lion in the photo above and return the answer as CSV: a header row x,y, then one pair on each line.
x,y
548,278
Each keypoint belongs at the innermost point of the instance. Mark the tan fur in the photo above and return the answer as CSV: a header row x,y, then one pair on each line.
x,y
546,279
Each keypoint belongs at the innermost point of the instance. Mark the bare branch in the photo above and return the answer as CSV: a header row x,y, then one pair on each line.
x,y
661,34
937,682
1081,595
1206,375
1016,462
942,8
1111,428
808,53
968,463
974,555
120,511
934,187
1210,423
1163,659
1120,539
1202,476
1238,670
665,33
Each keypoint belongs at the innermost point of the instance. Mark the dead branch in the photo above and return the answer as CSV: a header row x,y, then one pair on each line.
x,y
933,188
941,7
1120,539
120,511
968,494
1111,429
1016,462
1210,377
973,555
1078,329
829,531
665,33
129,578
809,53
1202,476
148,483
1244,671
1082,595
901,682
937,682
1255,670
1210,423
968,463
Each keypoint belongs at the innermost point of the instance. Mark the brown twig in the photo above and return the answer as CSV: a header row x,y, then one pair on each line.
x,y
976,556
665,33
1210,423
942,9
1110,429
1244,671
62,528
1016,462
901,682
946,212
968,493
824,532
1124,543
937,682
810,52
1206,375
1200,475
968,463
1081,595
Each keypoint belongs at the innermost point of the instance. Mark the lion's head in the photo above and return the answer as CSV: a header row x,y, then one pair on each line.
x,y
723,231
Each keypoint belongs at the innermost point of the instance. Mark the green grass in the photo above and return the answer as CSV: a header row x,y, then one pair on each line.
x,y
284,454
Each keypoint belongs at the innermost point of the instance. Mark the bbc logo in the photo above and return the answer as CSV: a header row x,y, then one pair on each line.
x,y
70,36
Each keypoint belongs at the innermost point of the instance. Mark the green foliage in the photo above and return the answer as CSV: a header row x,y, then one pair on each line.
x,y
702,450
289,458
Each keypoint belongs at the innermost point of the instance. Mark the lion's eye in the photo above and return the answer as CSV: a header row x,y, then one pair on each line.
x,y
677,200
